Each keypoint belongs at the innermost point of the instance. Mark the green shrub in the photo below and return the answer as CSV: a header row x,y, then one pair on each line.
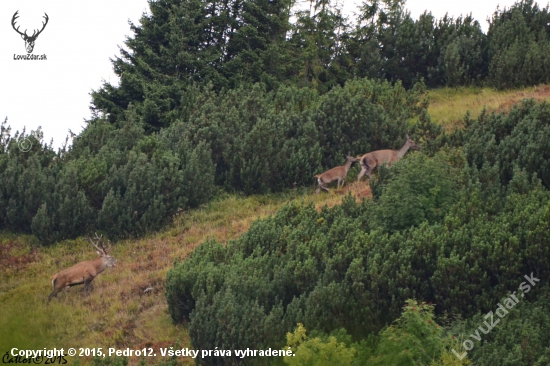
x,y
420,189
500,145
413,339
131,184
521,338
317,351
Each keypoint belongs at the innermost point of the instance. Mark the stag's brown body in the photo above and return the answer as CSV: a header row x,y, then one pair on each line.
x,y
339,173
373,159
82,273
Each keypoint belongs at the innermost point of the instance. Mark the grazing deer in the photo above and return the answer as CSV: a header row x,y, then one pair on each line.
x,y
373,159
339,173
83,272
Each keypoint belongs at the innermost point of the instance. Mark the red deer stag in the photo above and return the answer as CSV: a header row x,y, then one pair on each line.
x,y
333,174
83,272
373,159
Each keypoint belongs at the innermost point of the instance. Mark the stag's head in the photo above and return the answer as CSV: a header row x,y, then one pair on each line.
x,y
29,40
412,144
103,252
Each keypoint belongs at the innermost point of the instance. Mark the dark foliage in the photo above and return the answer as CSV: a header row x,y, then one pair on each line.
x,y
519,48
125,181
226,45
521,337
459,229
500,146
118,181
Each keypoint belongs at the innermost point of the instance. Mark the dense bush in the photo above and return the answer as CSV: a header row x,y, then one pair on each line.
x,y
118,181
419,189
265,108
519,46
338,268
264,141
458,229
499,144
334,349
521,338
125,181
413,339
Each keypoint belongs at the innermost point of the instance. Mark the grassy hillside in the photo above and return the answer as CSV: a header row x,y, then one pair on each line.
x,y
448,105
119,312
127,307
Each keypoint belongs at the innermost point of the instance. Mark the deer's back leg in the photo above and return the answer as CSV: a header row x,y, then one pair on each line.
x,y
362,172
323,185
368,170
53,294
56,289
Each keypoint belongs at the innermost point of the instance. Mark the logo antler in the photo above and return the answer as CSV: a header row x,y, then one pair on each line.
x,y
29,40
15,16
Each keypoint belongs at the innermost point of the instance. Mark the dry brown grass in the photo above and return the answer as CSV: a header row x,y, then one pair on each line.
x,y
360,190
449,105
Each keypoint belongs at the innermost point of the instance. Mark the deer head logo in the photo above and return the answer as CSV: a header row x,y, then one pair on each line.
x,y
29,40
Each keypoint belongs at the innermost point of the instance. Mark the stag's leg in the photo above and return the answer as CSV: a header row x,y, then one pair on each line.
x,y
53,294
56,290
88,287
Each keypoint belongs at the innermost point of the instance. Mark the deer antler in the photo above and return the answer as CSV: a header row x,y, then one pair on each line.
x,y
100,241
34,34
15,16
43,26
94,244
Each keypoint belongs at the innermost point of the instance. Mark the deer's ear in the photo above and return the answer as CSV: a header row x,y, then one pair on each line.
x,y
99,253
23,37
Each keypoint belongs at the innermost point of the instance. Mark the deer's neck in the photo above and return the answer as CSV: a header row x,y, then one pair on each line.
x,y
401,152
100,264
347,165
